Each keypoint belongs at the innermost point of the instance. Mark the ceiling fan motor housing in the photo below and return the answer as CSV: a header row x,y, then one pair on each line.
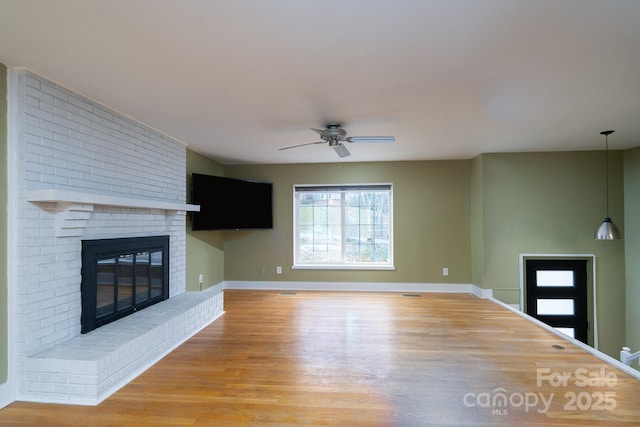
x,y
334,132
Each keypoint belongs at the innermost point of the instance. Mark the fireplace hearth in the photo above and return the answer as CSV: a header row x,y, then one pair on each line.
x,y
121,276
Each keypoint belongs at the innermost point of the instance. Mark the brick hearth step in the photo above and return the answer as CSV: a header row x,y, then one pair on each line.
x,y
88,368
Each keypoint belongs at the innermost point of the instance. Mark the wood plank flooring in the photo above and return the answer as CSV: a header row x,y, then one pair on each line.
x,y
362,359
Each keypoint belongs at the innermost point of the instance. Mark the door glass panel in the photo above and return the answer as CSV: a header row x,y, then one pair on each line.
x,y
555,307
556,278
567,331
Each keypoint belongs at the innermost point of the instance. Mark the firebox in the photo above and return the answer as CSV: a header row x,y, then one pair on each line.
x,y
122,276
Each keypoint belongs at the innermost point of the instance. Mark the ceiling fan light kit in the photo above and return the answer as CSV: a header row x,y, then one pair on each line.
x,y
334,135
341,150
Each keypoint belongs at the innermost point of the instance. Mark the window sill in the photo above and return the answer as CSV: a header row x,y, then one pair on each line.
x,y
343,267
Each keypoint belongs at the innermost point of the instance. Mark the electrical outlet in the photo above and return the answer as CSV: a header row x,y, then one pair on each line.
x,y
445,271
278,270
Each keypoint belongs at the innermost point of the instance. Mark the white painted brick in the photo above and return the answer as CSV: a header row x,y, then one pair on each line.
x,y
31,81
83,104
33,109
102,113
58,334
38,388
39,296
26,312
55,162
33,325
54,91
54,378
75,118
37,131
71,143
68,390
54,127
39,149
79,136
82,380
36,93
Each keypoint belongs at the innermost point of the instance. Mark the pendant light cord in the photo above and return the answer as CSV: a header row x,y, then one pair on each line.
x,y
606,168
606,134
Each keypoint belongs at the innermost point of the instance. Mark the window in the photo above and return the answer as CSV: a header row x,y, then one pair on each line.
x,y
343,226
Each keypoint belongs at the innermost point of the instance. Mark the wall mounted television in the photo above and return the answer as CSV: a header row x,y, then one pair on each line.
x,y
231,204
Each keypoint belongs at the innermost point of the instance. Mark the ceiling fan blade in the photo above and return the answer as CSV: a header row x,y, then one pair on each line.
x,y
387,139
341,149
322,132
301,145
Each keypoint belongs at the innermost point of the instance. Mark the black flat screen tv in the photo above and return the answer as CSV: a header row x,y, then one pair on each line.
x,y
231,204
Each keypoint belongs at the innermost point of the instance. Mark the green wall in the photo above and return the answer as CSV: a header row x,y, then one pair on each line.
x,y
552,203
473,216
431,222
3,227
205,249
477,221
632,246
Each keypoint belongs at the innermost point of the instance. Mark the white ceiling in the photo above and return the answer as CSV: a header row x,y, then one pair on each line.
x,y
238,79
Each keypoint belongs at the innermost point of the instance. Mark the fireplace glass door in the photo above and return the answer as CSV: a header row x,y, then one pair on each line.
x,y
121,276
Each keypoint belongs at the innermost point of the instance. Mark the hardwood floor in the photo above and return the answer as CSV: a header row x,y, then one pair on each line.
x,y
363,359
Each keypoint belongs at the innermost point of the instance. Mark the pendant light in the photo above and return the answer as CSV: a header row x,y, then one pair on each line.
x,y
607,230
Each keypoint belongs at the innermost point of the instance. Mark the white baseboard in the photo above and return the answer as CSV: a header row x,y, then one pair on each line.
x,y
7,393
359,286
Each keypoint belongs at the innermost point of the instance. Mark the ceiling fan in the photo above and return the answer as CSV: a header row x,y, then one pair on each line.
x,y
335,136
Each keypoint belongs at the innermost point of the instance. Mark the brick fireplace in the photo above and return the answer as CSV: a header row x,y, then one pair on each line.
x,y
80,172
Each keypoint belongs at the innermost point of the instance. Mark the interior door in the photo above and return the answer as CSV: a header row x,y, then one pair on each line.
x,y
556,294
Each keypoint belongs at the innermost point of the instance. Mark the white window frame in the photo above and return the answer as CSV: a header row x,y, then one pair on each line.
x,y
344,188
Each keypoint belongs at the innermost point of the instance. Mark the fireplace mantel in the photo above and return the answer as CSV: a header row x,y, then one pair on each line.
x,y
62,197
73,209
